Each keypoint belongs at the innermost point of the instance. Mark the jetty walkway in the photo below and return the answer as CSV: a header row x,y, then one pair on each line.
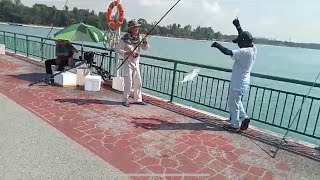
x,y
49,132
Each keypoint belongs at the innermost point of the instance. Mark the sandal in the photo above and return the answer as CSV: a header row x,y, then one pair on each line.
x,y
245,124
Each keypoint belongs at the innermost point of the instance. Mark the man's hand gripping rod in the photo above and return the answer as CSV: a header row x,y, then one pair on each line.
x,y
150,31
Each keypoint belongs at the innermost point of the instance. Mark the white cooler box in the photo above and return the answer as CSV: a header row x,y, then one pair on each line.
x,y
66,79
92,83
2,49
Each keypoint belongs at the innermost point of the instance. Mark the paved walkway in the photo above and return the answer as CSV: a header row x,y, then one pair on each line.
x,y
147,140
31,149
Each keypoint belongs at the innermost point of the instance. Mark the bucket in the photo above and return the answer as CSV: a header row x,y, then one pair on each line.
x,y
82,72
118,83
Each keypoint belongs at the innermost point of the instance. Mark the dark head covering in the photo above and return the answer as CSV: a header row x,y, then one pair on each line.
x,y
245,36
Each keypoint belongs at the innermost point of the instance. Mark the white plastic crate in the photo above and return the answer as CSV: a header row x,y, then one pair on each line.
x,y
66,79
92,83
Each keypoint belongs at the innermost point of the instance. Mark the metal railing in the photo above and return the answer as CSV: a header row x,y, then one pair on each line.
x,y
270,108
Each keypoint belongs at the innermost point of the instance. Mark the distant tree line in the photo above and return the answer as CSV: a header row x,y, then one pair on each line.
x,y
40,14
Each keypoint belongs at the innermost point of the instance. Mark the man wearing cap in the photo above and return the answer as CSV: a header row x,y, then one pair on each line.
x,y
64,53
131,67
244,59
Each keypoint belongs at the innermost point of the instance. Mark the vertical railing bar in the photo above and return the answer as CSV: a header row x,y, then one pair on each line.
x,y
315,126
185,96
160,86
222,94
284,107
294,100
42,49
143,72
211,91
268,106
300,113
178,87
147,77
305,128
275,110
262,98
254,102
191,90
227,99
215,98
196,90
248,100
15,42
181,92
201,89
205,94
173,80
154,74
165,79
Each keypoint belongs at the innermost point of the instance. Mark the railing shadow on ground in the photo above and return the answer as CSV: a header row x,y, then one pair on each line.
x,y
166,125
31,77
89,101
213,124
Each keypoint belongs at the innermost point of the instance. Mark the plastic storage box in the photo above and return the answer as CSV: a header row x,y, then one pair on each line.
x,y
92,83
66,79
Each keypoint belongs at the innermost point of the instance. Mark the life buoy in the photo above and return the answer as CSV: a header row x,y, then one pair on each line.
x,y
112,24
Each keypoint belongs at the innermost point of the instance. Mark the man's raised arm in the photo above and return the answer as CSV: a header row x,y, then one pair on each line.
x,y
236,23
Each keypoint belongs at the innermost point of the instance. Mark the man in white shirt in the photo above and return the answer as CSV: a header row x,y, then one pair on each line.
x,y
132,65
244,59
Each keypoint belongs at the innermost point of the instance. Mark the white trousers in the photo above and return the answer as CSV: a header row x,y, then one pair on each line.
x,y
236,110
132,75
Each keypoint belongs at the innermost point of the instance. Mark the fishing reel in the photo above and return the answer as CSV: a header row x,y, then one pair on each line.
x,y
88,57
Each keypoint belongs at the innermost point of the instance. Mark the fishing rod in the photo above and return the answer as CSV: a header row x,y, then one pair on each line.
x,y
150,31
304,99
65,5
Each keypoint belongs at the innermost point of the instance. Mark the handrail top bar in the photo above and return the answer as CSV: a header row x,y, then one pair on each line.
x,y
274,78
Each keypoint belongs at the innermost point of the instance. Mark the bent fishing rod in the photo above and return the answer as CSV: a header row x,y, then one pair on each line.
x,y
150,31
294,119
65,5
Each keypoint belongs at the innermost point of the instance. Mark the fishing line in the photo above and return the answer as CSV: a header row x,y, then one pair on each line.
x,y
304,99
150,31
65,5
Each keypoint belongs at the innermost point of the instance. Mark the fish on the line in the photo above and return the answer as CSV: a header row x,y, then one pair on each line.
x,y
191,75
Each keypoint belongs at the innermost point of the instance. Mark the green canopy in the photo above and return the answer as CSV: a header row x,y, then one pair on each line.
x,y
81,32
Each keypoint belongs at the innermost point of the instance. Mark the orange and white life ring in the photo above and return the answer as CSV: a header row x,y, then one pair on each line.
x,y
112,24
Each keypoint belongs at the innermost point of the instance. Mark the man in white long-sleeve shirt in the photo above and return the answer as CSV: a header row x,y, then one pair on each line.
x,y
131,67
244,59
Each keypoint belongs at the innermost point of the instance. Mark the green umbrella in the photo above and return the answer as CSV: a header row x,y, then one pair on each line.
x,y
81,32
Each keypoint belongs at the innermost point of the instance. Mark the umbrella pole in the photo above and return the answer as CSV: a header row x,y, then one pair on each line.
x,y
82,54
82,49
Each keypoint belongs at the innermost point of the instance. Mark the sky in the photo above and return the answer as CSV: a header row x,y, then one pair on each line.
x,y
294,20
